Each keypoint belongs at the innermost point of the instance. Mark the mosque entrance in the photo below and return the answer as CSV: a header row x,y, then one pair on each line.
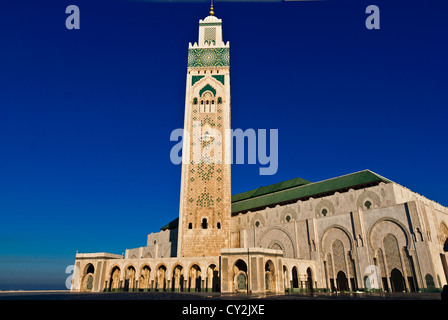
x,y
396,280
240,272
309,280
341,281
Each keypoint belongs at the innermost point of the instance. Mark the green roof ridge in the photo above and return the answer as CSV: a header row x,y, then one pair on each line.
x,y
171,225
279,186
308,190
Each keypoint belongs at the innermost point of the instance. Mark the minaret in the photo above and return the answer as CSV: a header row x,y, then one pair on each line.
x,y
205,202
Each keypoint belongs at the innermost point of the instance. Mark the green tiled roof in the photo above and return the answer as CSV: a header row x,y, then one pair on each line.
x,y
275,194
172,225
296,189
296,182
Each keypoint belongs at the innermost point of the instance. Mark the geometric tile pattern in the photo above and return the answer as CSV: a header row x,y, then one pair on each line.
x,y
208,57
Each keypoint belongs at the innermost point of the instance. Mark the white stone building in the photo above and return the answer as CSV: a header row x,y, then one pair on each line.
x,y
341,234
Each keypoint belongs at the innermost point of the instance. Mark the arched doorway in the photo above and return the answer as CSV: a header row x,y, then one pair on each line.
x,y
295,278
87,282
129,282
269,276
143,282
341,281
309,279
212,278
177,283
240,276
397,281
161,278
115,279
195,278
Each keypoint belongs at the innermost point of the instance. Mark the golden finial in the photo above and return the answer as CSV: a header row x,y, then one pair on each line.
x,y
211,9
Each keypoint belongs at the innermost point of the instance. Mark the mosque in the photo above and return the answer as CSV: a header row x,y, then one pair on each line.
x,y
354,232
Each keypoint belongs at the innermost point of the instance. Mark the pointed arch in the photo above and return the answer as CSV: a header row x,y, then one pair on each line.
x,y
88,277
212,278
443,232
195,277
207,87
161,277
115,278
334,232
382,227
130,277
270,276
282,238
177,279
144,277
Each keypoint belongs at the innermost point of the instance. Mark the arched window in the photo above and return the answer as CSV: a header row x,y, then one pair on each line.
x,y
190,226
218,225
202,107
195,101
204,223
90,269
207,95
368,204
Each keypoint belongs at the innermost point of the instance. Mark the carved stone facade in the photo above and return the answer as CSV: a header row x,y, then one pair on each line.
x,y
385,226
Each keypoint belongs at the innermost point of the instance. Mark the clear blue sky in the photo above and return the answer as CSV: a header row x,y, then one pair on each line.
x,y
86,115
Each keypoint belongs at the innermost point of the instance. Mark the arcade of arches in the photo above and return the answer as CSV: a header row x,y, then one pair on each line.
x,y
264,270
160,278
267,270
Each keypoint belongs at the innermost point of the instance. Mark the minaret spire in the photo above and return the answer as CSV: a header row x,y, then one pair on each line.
x,y
212,13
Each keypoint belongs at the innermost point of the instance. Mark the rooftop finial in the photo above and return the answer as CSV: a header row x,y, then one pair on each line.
x,y
212,13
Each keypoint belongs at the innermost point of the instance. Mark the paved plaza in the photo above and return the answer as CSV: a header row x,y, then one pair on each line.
x,y
67,295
